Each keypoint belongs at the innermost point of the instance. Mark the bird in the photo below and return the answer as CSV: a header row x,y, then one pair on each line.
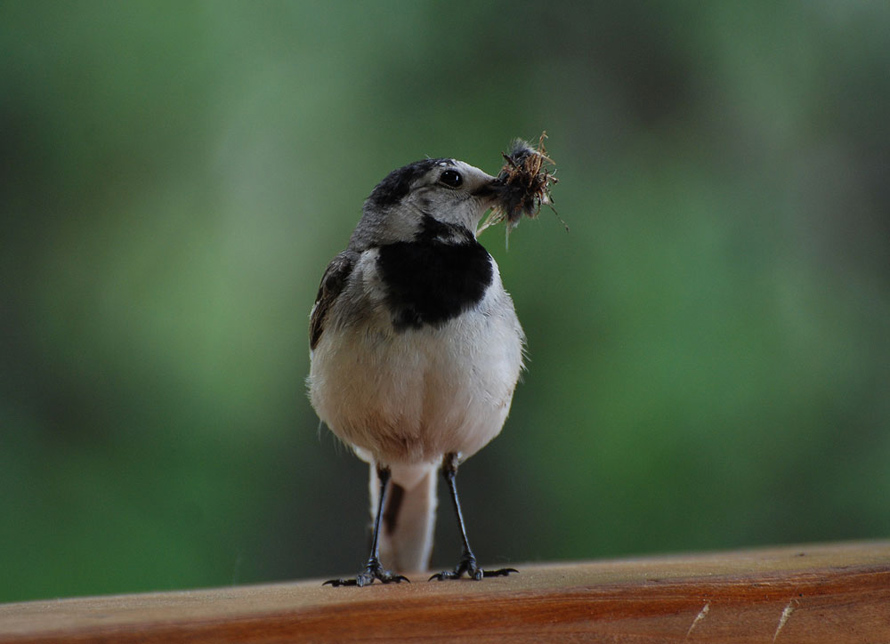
x,y
415,353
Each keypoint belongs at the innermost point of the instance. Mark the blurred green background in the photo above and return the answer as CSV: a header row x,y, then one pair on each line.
x,y
709,344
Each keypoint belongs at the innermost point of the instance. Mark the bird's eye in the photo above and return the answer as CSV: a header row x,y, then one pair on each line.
x,y
451,178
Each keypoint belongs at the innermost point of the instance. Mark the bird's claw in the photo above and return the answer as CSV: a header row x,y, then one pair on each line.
x,y
365,578
468,565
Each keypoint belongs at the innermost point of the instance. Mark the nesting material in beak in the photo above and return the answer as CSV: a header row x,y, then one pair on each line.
x,y
523,184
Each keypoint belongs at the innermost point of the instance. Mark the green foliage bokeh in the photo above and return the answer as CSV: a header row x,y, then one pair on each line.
x,y
709,344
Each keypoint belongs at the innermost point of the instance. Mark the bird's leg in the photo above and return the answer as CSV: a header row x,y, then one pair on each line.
x,y
373,570
467,563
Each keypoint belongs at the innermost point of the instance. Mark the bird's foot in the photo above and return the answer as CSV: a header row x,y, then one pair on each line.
x,y
468,565
372,571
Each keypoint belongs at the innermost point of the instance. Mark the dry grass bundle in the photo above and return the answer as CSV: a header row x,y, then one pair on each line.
x,y
525,184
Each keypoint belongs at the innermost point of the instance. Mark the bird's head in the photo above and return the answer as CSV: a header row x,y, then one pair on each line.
x,y
444,191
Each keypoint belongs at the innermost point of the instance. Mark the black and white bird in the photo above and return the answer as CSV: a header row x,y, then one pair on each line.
x,y
415,353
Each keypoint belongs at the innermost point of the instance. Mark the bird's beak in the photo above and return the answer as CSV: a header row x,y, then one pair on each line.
x,y
490,190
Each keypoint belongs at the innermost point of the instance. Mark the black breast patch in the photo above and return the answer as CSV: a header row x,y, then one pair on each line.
x,y
430,281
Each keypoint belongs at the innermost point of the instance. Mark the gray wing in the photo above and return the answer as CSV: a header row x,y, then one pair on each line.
x,y
332,283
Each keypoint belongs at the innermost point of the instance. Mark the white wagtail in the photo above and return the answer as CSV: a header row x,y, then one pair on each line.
x,y
416,351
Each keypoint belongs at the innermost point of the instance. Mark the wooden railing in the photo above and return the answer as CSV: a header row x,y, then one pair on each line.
x,y
829,593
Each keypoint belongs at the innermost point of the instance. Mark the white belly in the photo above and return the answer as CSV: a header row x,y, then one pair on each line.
x,y
409,397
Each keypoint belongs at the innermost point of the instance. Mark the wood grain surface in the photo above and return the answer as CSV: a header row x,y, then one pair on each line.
x,y
821,593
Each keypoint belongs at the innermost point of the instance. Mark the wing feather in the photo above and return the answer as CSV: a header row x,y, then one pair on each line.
x,y
332,283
